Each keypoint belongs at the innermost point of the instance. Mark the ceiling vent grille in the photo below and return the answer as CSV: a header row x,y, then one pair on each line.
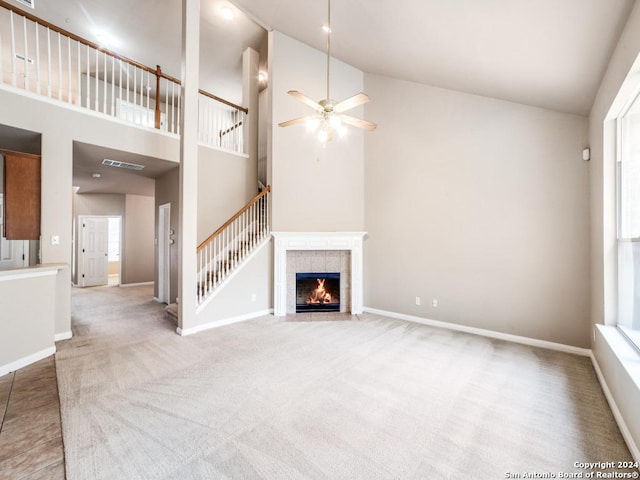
x,y
116,163
28,3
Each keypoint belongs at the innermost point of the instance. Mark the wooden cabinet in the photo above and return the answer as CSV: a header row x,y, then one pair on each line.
x,y
22,192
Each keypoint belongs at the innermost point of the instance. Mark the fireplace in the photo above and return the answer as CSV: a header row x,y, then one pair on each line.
x,y
296,252
318,292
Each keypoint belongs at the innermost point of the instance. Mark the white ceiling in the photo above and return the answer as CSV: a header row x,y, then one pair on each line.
x,y
546,53
87,160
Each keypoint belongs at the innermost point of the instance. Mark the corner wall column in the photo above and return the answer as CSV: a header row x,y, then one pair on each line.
x,y
189,165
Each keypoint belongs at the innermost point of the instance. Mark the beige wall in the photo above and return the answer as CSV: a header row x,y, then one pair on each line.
x,y
602,139
137,213
138,233
248,293
98,204
226,182
28,327
60,126
616,363
167,191
481,204
315,188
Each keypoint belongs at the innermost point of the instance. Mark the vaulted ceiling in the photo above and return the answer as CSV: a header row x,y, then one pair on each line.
x,y
546,53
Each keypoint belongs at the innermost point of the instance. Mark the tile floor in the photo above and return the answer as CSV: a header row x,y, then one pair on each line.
x,y
30,429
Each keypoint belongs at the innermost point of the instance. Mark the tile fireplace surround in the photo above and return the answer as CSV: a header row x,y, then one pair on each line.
x,y
316,241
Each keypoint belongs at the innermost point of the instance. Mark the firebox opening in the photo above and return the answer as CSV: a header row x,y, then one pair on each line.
x,y
317,292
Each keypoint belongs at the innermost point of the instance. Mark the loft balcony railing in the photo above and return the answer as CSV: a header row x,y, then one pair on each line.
x,y
41,58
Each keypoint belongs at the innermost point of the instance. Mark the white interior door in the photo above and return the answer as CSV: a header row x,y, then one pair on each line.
x,y
93,251
164,242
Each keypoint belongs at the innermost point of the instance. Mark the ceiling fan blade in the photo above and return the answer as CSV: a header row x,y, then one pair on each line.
x,y
352,102
356,122
295,121
304,99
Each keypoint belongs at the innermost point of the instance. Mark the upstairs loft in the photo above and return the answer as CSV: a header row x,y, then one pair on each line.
x,y
42,59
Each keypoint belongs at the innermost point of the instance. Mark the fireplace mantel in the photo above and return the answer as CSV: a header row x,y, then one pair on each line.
x,y
284,241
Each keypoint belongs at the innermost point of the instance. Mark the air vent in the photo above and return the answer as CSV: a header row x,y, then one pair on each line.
x,y
116,163
28,3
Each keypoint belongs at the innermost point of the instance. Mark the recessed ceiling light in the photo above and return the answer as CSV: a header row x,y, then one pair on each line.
x,y
227,13
96,175
326,29
103,39
262,77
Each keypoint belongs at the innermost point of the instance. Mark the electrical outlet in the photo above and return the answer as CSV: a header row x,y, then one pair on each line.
x,y
434,302
417,300
55,240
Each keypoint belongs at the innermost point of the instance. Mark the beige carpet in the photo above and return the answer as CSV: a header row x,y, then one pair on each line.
x,y
375,398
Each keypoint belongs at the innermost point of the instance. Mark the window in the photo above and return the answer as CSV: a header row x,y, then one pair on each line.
x,y
628,190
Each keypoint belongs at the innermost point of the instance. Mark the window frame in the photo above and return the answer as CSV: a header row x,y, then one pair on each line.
x,y
631,335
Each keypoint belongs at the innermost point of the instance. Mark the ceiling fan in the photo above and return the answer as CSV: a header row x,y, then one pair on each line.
x,y
328,117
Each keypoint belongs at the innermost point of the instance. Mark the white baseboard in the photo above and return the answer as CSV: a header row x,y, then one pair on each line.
x,y
135,284
585,352
28,360
626,434
222,323
63,336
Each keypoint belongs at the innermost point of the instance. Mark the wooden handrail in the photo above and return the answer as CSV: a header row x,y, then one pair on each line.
x,y
154,71
235,217
77,38
222,100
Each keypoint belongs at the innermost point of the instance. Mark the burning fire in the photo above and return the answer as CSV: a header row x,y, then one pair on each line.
x,y
320,295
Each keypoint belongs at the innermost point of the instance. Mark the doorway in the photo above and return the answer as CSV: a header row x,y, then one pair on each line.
x,y
99,250
164,253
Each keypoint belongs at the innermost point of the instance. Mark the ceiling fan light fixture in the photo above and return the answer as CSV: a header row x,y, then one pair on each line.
x,y
328,116
313,123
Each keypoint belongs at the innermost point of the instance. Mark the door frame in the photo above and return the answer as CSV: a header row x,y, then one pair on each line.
x,y
164,253
78,253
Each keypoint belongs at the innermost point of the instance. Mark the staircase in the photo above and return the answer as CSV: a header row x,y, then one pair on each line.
x,y
226,249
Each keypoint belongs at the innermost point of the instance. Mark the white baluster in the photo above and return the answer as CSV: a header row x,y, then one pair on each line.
x,y
26,54
13,51
119,81
1,57
88,77
49,61
135,89
37,59
104,83
113,86
97,99
79,84
69,87
128,110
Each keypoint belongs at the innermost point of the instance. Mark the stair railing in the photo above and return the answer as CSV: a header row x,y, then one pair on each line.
x,y
232,243
39,57
220,123
42,58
